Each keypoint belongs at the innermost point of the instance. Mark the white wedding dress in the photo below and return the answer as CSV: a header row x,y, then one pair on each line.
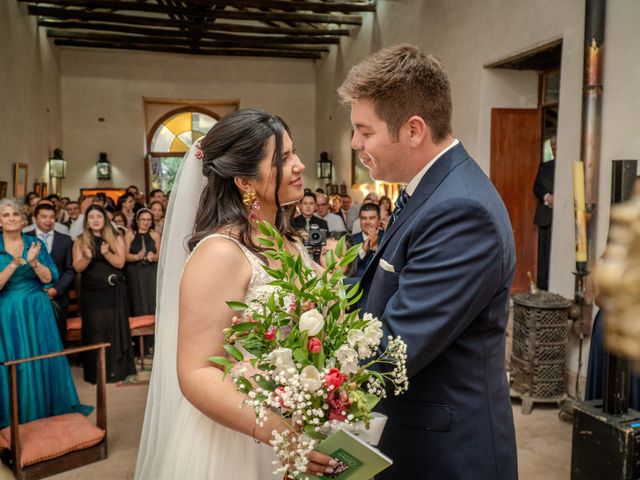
x,y
177,441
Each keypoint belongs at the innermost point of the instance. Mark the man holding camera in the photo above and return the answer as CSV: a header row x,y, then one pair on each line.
x,y
313,229
370,236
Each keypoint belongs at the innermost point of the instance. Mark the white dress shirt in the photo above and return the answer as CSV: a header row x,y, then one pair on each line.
x,y
415,181
48,240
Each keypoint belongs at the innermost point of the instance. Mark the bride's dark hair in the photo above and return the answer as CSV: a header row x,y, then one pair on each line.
x,y
233,148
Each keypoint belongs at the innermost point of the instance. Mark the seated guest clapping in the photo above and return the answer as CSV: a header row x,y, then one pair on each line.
x,y
370,237
59,247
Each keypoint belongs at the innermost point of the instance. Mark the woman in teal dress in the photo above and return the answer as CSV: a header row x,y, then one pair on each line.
x,y
28,326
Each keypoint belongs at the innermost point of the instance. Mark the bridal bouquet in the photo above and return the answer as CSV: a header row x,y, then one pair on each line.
x,y
297,351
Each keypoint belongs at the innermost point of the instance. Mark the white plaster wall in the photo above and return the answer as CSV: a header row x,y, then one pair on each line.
x,y
29,95
111,84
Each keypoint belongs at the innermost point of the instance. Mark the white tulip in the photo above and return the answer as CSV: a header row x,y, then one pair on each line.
x,y
282,359
310,378
311,322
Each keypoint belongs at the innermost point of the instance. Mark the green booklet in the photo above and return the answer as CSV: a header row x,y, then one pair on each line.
x,y
357,460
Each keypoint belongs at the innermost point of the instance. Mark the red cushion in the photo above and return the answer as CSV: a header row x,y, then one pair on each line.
x,y
53,437
141,321
74,323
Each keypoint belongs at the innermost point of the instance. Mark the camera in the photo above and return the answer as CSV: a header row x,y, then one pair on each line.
x,y
316,239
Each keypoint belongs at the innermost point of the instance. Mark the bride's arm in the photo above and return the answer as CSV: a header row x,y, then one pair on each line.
x,y
216,272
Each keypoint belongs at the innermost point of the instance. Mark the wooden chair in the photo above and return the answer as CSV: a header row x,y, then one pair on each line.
x,y
141,326
74,322
13,456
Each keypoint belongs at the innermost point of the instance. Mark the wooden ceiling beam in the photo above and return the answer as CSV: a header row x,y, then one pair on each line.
x,y
243,52
194,10
66,14
163,32
285,5
180,42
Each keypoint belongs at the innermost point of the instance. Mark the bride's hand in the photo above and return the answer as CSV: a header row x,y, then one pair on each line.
x,y
320,463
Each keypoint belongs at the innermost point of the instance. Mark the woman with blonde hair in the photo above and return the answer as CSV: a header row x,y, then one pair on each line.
x,y
99,255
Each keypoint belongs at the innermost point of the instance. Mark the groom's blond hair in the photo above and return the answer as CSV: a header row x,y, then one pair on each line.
x,y
401,82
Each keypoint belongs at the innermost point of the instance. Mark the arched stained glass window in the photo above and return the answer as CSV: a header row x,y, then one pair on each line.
x,y
169,142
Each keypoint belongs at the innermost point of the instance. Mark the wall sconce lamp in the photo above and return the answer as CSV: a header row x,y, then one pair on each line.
x,y
325,167
103,167
57,165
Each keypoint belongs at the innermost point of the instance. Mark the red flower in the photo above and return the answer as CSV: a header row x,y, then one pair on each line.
x,y
334,379
270,334
315,345
338,405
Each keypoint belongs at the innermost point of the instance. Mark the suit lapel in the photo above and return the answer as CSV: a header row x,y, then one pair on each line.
x,y
431,180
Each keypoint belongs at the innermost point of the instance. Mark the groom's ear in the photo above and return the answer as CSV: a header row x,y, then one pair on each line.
x,y
418,131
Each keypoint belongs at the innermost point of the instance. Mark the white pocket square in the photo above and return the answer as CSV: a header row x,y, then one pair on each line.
x,y
386,266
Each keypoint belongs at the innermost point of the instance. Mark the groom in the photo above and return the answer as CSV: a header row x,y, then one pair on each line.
x,y
440,278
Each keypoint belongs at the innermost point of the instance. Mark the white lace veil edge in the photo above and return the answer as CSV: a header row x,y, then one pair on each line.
x,y
164,395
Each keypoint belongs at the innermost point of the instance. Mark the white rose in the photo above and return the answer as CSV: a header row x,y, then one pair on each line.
x,y
348,359
310,378
311,322
282,359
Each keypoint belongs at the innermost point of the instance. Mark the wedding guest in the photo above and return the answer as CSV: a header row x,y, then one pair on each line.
x,y
158,211
142,247
119,219
28,327
158,195
99,255
137,197
386,208
58,227
334,222
307,215
77,227
73,209
371,198
349,210
59,248
370,237
126,204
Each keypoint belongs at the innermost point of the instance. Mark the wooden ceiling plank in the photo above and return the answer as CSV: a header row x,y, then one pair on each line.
x,y
163,32
69,35
195,10
48,12
244,52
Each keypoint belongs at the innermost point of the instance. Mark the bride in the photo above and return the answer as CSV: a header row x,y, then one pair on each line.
x,y
243,170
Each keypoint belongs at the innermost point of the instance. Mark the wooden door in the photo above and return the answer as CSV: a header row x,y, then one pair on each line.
x,y
516,143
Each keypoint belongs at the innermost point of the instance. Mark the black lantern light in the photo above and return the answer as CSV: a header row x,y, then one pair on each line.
x,y
103,167
325,167
57,165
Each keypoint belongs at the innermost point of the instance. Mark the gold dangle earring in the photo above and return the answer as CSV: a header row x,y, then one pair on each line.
x,y
250,200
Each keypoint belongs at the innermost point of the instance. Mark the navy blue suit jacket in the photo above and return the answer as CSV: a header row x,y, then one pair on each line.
x,y
62,257
453,255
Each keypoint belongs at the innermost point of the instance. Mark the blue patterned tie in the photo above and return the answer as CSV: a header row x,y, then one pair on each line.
x,y
401,201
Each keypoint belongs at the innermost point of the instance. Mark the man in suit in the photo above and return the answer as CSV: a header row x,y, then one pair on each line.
x,y
441,276
59,247
543,190
370,236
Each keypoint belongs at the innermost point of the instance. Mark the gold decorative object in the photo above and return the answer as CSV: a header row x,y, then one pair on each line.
x,y
618,277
